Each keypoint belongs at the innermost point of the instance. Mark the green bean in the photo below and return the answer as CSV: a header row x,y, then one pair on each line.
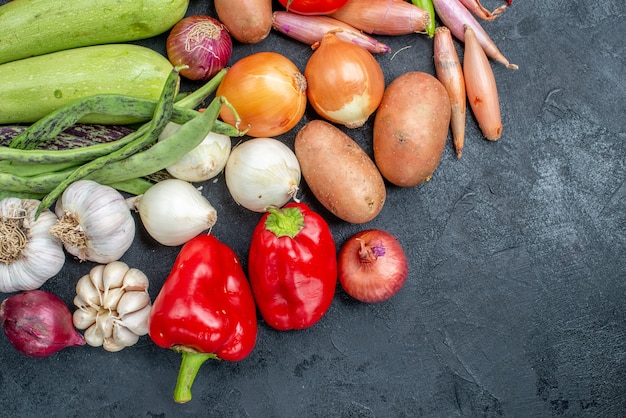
x,y
134,186
21,195
163,153
161,117
29,170
42,183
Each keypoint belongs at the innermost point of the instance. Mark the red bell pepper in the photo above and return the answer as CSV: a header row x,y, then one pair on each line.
x,y
292,266
205,309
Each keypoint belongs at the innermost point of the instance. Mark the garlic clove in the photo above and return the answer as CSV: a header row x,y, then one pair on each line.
x,y
85,317
132,301
123,336
113,275
135,279
104,323
88,292
111,345
93,336
139,321
111,300
95,275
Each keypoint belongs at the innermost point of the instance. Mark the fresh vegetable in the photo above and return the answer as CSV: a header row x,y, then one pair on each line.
x,y
203,162
67,116
482,91
248,21
94,222
313,7
173,211
450,73
113,306
292,266
345,82
455,16
410,128
268,92
262,173
76,136
427,5
38,323
310,29
339,173
37,27
477,9
202,44
153,129
383,17
372,266
34,87
205,310
29,255
127,171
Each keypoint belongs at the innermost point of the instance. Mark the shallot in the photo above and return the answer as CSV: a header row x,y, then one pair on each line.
x,y
38,323
384,17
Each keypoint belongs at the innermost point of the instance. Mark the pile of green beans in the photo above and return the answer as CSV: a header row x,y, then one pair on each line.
x,y
124,164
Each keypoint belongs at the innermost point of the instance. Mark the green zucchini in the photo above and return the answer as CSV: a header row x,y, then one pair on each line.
x,y
34,87
37,27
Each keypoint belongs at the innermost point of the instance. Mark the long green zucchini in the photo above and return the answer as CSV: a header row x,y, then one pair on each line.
x,y
33,87
37,27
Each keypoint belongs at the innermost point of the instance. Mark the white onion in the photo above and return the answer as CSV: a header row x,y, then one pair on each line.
x,y
262,173
203,162
173,211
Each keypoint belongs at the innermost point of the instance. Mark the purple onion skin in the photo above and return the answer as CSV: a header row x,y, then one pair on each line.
x,y
202,43
38,323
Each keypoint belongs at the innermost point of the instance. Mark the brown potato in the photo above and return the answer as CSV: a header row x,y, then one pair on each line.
x,y
339,173
410,128
248,21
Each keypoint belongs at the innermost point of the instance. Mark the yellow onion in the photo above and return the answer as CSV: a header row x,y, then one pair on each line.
x,y
345,82
268,92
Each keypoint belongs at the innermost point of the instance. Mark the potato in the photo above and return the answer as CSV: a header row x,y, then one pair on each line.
x,y
410,128
339,173
248,21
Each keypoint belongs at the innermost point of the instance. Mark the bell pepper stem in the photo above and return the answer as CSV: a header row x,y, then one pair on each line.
x,y
189,366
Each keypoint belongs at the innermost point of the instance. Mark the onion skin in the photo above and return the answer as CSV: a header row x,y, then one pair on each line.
x,y
478,10
482,91
202,43
248,21
345,82
38,323
450,72
310,29
384,17
372,266
455,16
268,92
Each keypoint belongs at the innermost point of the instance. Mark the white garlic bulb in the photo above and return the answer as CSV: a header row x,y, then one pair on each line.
x,y
29,255
95,223
113,306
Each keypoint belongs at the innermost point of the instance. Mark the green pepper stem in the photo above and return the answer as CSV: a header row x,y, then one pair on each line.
x,y
284,222
189,366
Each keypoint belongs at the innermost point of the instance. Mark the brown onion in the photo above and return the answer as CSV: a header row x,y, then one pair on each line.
x,y
345,82
38,323
372,266
200,42
268,92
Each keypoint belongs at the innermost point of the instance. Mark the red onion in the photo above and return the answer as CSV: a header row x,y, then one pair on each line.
x,y
38,323
200,42
372,266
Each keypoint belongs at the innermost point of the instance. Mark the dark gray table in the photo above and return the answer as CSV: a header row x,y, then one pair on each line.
x,y
516,300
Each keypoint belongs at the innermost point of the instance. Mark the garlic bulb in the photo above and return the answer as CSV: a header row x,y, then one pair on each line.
x,y
261,173
113,306
95,223
29,255
203,162
173,211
